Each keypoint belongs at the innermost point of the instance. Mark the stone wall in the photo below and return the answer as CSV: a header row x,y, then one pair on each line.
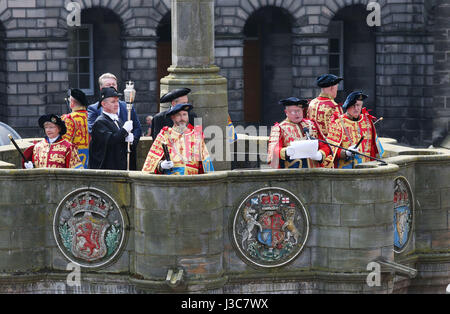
x,y
186,223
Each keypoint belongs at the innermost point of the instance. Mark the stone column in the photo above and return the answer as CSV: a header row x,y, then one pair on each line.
x,y
192,67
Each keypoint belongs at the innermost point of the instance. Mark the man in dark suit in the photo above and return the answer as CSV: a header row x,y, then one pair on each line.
x,y
176,96
94,111
110,135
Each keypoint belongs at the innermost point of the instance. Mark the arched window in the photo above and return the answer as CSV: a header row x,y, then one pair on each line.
x,y
94,48
267,64
80,58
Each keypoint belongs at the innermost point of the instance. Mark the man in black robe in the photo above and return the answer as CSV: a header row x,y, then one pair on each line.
x,y
94,110
176,96
110,135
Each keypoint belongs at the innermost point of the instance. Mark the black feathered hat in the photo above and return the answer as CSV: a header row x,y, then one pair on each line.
x,y
327,80
53,118
78,95
174,94
293,101
352,98
177,108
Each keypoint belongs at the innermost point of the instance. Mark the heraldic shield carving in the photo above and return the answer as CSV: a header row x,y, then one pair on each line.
x,y
88,227
270,227
403,213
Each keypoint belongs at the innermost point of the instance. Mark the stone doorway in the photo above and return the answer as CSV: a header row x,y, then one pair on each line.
x,y
267,65
354,41
100,40
164,52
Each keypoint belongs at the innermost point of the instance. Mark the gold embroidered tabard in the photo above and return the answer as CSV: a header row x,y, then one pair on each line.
x,y
321,110
187,151
345,132
60,154
282,134
77,133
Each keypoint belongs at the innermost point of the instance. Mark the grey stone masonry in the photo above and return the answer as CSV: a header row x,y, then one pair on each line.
x,y
412,57
139,66
310,60
404,81
187,222
229,58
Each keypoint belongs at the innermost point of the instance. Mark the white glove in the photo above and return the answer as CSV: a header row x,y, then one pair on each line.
x,y
166,165
317,156
351,152
128,126
29,165
129,138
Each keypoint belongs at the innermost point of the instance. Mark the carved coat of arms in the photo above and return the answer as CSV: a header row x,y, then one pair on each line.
x,y
88,227
270,227
403,214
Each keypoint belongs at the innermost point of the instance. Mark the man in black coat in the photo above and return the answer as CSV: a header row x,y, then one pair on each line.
x,y
94,111
176,96
110,135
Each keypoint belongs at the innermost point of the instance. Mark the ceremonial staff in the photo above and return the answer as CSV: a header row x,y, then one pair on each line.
x,y
380,119
346,149
166,151
18,149
129,94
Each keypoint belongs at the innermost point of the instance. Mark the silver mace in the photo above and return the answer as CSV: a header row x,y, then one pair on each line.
x,y
129,94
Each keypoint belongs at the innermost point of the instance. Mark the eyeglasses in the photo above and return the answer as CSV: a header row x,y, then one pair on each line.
x,y
295,111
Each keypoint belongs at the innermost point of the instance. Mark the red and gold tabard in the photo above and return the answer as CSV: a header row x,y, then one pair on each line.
x,y
285,132
321,110
187,151
346,132
60,154
77,133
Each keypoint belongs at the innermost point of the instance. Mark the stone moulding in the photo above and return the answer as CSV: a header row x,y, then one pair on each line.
x,y
335,251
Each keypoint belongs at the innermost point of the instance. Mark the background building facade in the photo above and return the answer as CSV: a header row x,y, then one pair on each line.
x,y
267,50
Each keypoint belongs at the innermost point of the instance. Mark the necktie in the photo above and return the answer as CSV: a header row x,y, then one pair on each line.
x,y
116,121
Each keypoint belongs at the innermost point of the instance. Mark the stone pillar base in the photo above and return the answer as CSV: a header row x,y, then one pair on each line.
x,y
210,100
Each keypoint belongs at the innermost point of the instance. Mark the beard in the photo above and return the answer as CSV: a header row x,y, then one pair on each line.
x,y
180,127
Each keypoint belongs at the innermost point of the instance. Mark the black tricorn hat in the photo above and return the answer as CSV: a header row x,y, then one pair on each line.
x,y
352,98
177,108
53,118
78,95
174,94
293,101
107,92
327,80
